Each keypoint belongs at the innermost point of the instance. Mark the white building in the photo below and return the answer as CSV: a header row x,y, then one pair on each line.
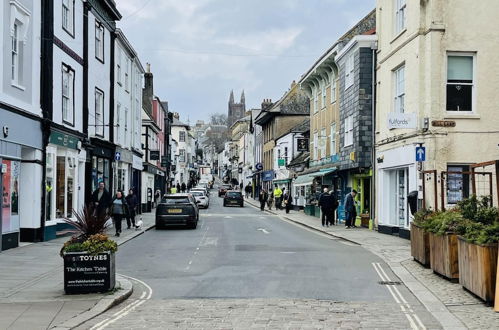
x,y
21,140
180,133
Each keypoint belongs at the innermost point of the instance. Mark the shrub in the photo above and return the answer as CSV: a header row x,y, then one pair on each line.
x,y
443,222
95,244
478,210
479,233
422,215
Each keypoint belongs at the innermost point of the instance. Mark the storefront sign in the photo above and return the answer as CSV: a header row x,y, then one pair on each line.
x,y
259,166
85,273
402,120
64,140
126,156
443,123
154,154
136,162
268,175
281,162
302,144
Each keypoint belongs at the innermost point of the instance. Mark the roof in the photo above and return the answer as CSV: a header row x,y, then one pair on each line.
x,y
177,122
303,127
302,157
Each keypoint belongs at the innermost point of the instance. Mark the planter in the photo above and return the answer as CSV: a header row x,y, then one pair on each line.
x,y
86,273
364,220
420,245
478,268
443,255
317,211
309,209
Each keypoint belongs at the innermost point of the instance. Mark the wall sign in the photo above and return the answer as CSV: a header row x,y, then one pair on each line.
x,y
85,273
64,140
443,123
402,120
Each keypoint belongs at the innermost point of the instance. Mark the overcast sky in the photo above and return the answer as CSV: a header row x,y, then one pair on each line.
x,y
200,50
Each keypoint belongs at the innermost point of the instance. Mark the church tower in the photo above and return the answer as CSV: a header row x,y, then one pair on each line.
x,y
236,110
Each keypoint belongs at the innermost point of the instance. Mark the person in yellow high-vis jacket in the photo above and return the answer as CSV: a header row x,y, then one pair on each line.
x,y
278,197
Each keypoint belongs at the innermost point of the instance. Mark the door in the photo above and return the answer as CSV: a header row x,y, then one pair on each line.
x,y
1,202
402,186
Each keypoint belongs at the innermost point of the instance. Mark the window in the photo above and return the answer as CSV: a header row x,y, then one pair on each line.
x,y
458,183
126,126
349,71
323,92
333,88
15,54
348,131
323,142
68,94
99,41
181,155
399,80
316,145
400,6
127,86
316,99
118,121
460,84
118,67
68,16
181,136
333,139
99,112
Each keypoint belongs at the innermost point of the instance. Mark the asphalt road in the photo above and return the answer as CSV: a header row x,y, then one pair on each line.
x,y
247,260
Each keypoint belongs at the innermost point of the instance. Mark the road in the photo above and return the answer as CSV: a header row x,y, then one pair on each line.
x,y
243,268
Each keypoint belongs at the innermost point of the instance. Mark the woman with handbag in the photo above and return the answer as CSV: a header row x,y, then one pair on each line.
x,y
119,209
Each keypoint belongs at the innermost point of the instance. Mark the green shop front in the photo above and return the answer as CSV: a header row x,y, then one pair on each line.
x,y
308,187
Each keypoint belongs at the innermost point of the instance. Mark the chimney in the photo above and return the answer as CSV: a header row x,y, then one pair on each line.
x,y
148,90
266,104
176,115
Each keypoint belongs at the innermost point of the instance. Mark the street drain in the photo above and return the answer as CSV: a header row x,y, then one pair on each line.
x,y
389,282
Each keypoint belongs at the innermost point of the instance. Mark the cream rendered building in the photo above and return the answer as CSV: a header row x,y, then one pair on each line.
x,y
436,67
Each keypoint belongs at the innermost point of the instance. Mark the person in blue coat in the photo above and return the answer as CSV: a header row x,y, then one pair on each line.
x,y
351,212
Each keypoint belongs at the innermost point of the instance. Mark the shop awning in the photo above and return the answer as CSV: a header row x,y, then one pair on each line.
x,y
307,179
281,181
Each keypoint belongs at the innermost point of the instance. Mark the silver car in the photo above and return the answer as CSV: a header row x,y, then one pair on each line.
x,y
201,199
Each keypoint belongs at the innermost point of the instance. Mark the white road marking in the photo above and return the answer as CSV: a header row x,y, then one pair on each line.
x,y
227,217
263,230
128,308
405,307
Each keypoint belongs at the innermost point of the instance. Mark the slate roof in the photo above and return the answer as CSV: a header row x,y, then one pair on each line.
x,y
301,158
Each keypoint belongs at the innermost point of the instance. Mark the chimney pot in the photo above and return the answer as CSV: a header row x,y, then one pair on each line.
x,y
148,67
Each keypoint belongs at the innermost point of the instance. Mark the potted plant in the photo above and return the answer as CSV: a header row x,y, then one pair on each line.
x,y
478,247
443,228
420,238
89,256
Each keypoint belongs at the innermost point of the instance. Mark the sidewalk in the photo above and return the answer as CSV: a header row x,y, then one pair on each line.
x,y
453,306
32,289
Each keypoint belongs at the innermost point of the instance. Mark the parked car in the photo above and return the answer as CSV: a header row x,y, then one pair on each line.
x,y
223,189
201,199
177,209
233,197
203,189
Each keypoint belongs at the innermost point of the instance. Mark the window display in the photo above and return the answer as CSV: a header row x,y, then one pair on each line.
x,y
10,196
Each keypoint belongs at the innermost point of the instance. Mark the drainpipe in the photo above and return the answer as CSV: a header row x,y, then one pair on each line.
x,y
374,48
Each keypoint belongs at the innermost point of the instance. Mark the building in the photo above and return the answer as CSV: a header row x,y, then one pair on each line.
x,y
180,133
292,109
341,95
128,116
22,140
436,88
236,110
240,137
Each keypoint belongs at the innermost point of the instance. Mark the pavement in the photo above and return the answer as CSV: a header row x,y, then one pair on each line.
x,y
32,290
454,307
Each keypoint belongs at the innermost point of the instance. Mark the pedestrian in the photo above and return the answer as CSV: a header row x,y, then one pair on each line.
x,y
325,203
262,198
157,197
119,210
288,201
183,187
132,202
173,190
241,186
247,190
189,185
277,196
178,187
332,212
101,199
270,200
351,213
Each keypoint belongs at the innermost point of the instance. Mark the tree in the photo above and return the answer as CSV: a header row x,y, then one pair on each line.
x,y
218,119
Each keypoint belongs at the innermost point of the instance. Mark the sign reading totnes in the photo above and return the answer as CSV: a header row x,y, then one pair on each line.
x,y
402,120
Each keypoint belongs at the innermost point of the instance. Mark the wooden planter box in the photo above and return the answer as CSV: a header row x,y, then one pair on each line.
x,y
478,268
86,273
420,245
309,209
444,255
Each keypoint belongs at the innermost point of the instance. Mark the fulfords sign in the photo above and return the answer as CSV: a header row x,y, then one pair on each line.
x,y
402,120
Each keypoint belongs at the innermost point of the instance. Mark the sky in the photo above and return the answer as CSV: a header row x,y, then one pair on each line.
x,y
200,50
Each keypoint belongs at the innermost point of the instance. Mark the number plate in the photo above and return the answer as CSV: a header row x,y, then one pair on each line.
x,y
175,211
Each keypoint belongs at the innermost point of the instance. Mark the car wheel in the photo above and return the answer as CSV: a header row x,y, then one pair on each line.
x,y
242,204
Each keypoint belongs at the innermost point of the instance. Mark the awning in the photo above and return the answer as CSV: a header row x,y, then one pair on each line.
x,y
281,181
307,179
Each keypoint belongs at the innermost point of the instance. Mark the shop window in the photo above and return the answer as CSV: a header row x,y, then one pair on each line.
x,y
10,196
60,187
458,183
50,186
100,172
460,82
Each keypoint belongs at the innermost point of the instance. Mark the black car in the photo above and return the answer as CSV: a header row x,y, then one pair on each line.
x,y
177,209
233,197
223,189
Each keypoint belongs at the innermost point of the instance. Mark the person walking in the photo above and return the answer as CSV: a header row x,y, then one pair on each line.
x,y
173,190
270,200
351,213
178,187
241,186
277,196
332,212
119,209
288,201
247,190
262,198
325,203
157,197
101,199
183,187
132,202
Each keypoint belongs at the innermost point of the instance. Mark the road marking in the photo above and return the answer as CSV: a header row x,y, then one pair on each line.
x,y
263,230
405,307
227,217
126,309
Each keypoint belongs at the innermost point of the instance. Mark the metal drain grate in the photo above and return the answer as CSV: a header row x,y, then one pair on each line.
x,y
389,282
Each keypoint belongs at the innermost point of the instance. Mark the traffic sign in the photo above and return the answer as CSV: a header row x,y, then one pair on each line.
x,y
420,154
117,156
259,166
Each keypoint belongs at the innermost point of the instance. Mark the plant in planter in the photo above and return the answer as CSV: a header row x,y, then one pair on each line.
x,y
478,247
89,255
420,238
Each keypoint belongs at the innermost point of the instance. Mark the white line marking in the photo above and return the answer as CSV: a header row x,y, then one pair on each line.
x,y
190,262
263,230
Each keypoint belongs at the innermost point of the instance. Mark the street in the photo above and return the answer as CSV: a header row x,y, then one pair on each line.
x,y
243,268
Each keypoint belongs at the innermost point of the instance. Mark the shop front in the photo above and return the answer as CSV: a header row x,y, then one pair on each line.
x,y
147,194
122,171
100,166
136,178
21,170
64,181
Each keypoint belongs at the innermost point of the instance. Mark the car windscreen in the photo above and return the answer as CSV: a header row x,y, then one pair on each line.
x,y
197,193
176,200
233,194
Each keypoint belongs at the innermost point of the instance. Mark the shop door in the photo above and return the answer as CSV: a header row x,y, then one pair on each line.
x,y
402,208
1,202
